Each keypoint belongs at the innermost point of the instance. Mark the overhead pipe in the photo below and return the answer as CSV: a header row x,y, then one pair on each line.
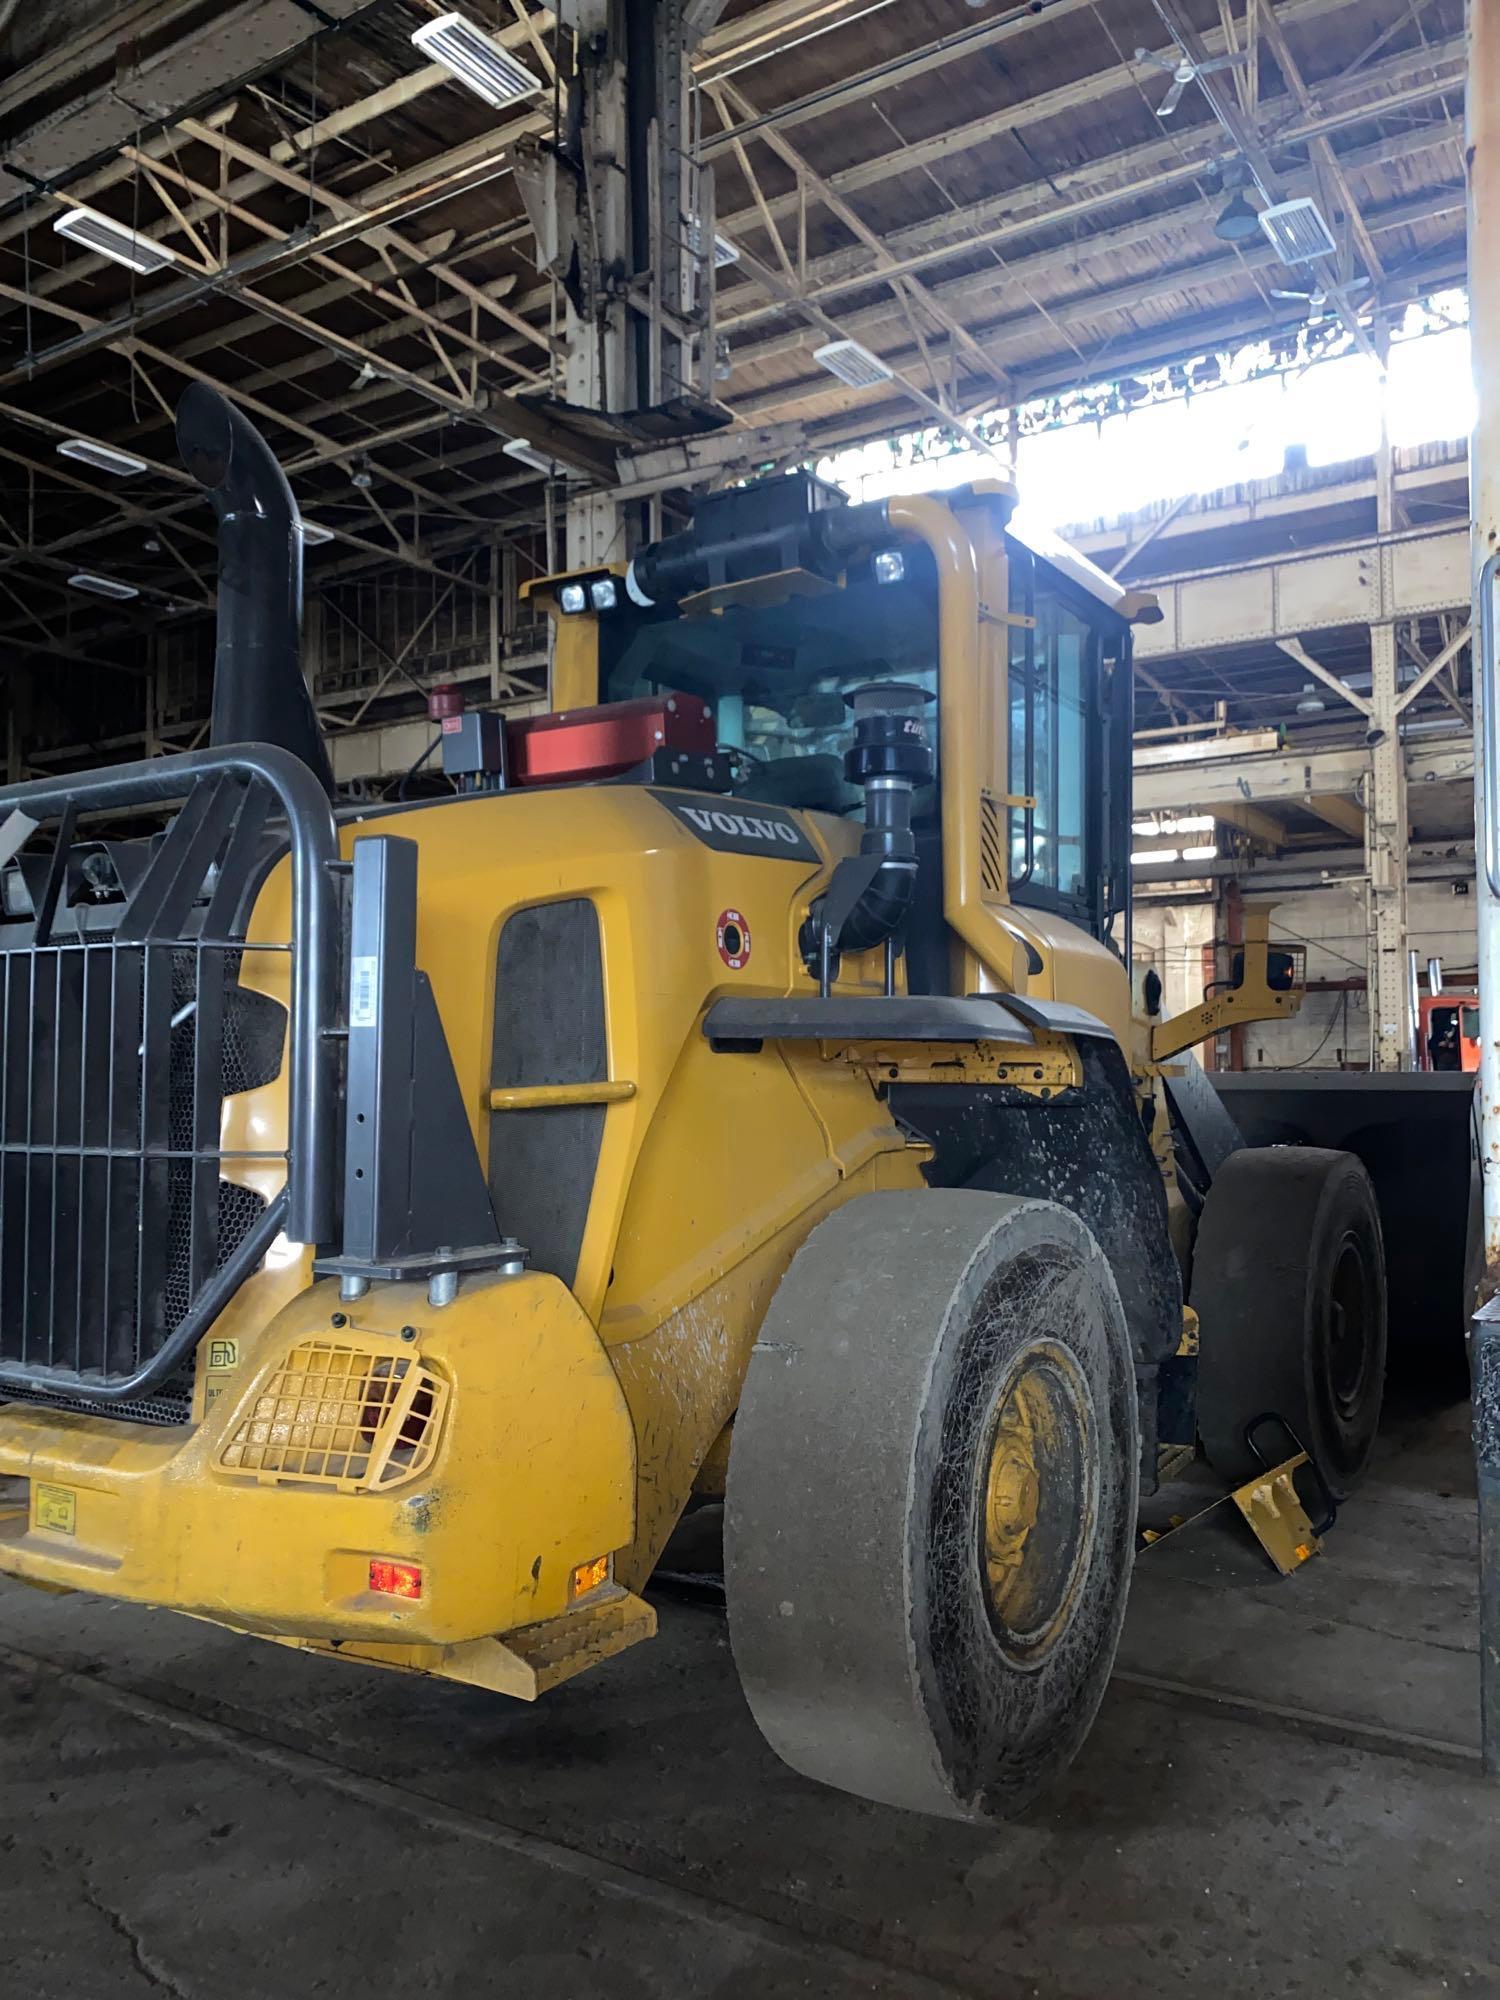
x,y
260,694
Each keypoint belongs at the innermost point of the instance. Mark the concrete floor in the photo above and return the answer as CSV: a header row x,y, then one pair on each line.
x,y
198,1815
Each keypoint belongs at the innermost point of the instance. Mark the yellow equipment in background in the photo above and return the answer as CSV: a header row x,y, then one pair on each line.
x,y
731,1092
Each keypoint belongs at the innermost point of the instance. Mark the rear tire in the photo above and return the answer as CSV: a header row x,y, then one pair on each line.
x,y
1289,1287
930,1515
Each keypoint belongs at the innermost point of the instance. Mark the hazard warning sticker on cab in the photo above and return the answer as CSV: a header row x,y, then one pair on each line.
x,y
54,1508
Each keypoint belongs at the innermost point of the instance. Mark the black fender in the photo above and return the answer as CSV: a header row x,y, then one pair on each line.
x,y
1086,1149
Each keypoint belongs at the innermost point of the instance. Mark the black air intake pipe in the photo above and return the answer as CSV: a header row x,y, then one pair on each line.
x,y
870,894
260,695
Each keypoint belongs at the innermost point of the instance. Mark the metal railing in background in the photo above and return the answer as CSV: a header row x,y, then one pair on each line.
x,y
122,1235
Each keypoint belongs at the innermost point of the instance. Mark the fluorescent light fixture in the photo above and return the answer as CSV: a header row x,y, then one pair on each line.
x,y
528,454
102,586
1200,853
573,598
852,363
725,252
1154,829
313,532
890,566
1297,231
1144,855
603,595
103,457
114,240
476,59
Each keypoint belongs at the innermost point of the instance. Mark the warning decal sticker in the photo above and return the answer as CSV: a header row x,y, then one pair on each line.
x,y
55,1508
732,935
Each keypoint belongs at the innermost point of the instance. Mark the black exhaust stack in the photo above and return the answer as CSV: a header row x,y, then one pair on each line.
x,y
260,695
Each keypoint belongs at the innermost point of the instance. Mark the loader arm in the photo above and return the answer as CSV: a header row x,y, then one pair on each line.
x,y
1270,984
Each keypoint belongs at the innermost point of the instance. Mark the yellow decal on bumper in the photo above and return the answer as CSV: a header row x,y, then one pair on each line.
x,y
55,1508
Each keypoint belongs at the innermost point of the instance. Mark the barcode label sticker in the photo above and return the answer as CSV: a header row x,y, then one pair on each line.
x,y
363,1003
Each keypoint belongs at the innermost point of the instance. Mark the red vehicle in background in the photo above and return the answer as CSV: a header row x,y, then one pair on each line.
x,y
1449,1037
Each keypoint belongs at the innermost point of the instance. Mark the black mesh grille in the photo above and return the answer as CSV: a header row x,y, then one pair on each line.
x,y
114,1210
173,1405
240,1208
253,1042
253,1038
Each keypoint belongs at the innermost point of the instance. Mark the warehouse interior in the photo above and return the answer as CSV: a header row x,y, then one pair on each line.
x,y
510,295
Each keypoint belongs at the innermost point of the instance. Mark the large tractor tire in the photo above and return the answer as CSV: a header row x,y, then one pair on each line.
x,y
1289,1287
930,1515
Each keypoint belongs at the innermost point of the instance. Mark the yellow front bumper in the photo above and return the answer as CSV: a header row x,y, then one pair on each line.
x,y
266,1513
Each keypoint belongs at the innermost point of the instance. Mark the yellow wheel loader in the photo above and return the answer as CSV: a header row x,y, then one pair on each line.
x,y
730,1088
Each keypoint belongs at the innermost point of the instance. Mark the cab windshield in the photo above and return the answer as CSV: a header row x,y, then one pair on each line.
x,y
777,674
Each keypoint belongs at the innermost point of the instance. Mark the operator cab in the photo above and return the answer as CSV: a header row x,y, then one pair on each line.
x,y
783,599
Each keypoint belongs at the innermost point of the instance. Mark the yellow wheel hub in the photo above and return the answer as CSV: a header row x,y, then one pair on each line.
x,y
1039,1500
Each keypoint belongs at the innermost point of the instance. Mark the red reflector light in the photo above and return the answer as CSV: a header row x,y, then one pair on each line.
x,y
393,1579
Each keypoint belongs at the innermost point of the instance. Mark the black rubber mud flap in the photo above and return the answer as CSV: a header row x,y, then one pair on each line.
x,y
931,1500
1289,1287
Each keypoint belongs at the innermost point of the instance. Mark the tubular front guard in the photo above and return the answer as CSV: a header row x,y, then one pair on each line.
x,y
482,1451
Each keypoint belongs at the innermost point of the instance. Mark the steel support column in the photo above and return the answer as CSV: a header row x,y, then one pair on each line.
x,y
1484,479
1392,1027
597,374
1483,113
1385,864
641,227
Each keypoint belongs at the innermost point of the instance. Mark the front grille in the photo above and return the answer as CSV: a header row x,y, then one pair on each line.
x,y
125,1222
113,1209
340,1416
166,1411
253,1038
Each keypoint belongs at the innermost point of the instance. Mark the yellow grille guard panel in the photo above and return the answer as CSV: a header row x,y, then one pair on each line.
x,y
352,1417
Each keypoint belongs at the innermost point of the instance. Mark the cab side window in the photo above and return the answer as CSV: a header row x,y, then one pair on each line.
x,y
1053,675
1069,700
